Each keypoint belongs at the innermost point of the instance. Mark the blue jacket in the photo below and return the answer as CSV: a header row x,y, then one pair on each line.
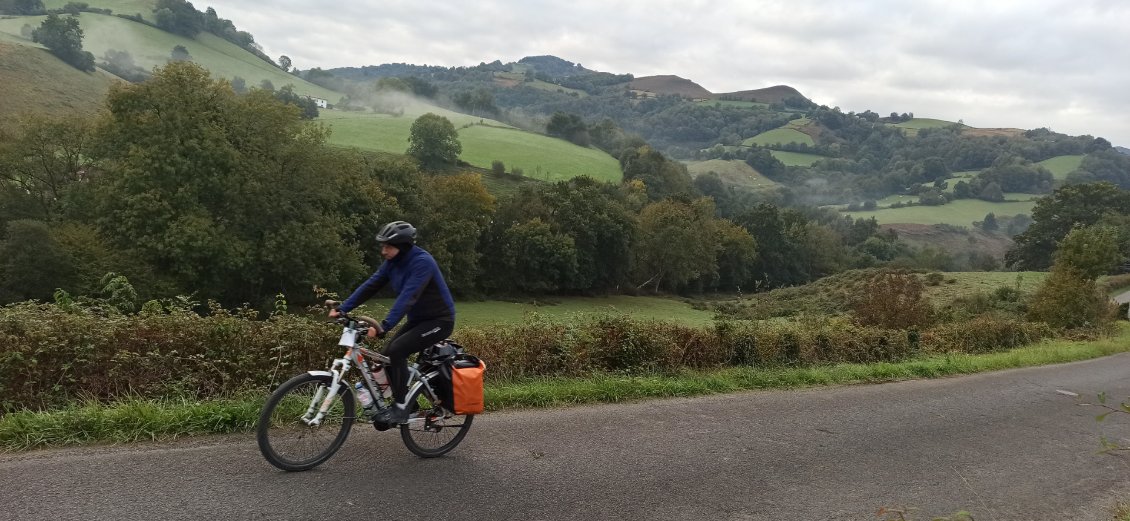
x,y
420,289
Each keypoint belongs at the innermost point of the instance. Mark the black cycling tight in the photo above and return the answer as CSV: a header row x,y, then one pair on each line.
x,y
412,338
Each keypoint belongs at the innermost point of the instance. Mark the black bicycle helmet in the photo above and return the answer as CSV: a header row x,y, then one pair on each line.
x,y
397,233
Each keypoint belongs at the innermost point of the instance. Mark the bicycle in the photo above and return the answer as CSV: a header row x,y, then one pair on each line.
x,y
307,418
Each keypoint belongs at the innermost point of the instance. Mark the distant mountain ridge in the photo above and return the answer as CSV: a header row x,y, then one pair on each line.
x,y
553,67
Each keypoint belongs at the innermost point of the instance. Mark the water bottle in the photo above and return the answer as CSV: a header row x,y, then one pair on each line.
x,y
364,396
381,378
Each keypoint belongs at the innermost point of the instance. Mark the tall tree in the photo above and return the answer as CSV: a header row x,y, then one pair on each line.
x,y
1092,250
678,243
662,176
531,258
41,162
452,235
434,141
1055,215
63,37
594,214
231,196
179,17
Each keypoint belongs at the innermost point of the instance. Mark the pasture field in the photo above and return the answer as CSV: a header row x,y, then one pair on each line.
x,y
1060,166
540,157
221,57
972,282
779,136
961,212
733,172
385,132
796,158
473,314
35,81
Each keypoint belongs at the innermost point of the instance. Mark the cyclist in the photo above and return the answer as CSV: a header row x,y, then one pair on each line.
x,y
422,295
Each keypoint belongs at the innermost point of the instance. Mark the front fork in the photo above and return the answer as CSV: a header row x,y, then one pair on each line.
x,y
324,396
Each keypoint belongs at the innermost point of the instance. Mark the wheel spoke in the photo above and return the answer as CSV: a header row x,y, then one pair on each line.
x,y
285,438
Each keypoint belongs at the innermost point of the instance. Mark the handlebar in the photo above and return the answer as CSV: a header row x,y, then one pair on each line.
x,y
346,319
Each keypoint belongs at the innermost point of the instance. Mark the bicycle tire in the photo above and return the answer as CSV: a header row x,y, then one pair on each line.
x,y
444,429
280,423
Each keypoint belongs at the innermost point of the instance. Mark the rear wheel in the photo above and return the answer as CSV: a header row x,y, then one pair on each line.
x,y
287,440
432,431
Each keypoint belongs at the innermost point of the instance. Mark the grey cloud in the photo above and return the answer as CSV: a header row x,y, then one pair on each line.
x,y
1055,63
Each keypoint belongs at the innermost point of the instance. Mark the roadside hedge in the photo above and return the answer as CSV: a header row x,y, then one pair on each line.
x,y
52,355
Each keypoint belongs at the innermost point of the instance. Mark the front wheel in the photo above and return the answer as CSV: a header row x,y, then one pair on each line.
x,y
287,438
431,430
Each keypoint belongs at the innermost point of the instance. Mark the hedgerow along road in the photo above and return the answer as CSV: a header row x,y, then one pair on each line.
x,y
1002,446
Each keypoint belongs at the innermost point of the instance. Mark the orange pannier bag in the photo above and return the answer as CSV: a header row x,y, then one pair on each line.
x,y
467,385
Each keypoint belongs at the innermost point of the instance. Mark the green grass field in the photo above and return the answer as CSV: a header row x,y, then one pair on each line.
x,y
540,157
35,81
796,158
958,213
779,136
733,172
972,282
384,132
567,308
151,47
1060,166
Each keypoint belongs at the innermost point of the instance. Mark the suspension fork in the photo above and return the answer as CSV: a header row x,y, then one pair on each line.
x,y
327,395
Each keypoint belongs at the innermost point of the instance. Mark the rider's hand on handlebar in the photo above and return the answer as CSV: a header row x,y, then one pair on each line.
x,y
334,313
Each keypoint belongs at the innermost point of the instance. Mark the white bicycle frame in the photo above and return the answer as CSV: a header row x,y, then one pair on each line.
x,y
341,366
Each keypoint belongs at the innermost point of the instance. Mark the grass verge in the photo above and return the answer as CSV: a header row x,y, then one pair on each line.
x,y
148,419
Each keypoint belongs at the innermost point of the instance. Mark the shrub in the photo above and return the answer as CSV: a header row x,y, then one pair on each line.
x,y
498,167
892,300
55,354
983,334
935,279
1068,300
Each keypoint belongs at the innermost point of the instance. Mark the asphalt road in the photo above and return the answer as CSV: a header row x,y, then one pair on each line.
x,y
1003,446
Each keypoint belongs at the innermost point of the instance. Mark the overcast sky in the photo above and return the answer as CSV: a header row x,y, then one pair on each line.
x,y
1061,64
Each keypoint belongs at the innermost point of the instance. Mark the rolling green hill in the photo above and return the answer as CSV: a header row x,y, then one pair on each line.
x,y
35,81
779,136
540,157
1060,166
151,47
45,84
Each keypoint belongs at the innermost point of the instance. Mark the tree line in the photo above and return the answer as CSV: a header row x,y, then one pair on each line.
x,y
185,187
